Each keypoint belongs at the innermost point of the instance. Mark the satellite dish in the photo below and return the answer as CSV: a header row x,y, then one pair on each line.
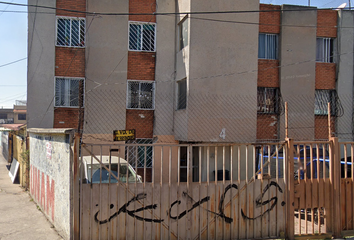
x,y
343,5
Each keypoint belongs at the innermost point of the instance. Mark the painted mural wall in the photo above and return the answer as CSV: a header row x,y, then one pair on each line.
x,y
50,158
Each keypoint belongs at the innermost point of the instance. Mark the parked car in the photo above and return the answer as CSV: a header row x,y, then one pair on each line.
x,y
94,172
318,155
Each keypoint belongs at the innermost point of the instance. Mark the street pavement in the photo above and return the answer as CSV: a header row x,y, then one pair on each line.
x,y
19,216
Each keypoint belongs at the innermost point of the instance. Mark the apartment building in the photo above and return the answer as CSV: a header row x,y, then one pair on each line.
x,y
221,77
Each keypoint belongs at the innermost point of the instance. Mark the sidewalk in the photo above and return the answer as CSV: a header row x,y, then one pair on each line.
x,y
19,216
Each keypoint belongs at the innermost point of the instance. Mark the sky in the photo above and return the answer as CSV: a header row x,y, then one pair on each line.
x,y
13,46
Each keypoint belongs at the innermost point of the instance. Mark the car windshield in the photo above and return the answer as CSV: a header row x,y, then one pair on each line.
x,y
98,173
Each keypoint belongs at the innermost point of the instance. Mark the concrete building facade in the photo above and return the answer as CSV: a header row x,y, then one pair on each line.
x,y
182,77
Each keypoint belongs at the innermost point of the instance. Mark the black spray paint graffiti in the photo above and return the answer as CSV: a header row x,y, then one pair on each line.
x,y
196,204
259,202
124,209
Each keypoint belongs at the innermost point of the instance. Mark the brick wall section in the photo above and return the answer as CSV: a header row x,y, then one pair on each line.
x,y
77,5
268,73
325,75
143,125
321,127
69,117
69,62
326,23
142,6
267,126
141,66
269,22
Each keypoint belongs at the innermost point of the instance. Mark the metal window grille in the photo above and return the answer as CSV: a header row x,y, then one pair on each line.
x,y
71,32
324,50
182,94
3,115
141,95
322,98
142,37
67,92
183,33
267,100
139,154
268,46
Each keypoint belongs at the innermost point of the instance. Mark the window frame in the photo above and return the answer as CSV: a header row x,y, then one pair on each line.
x,y
331,96
178,94
276,103
21,114
153,94
141,36
70,78
84,35
181,41
326,58
265,46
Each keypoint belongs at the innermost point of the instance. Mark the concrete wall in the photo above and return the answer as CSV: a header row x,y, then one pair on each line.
x,y
220,98
41,64
106,67
297,74
165,69
345,74
50,180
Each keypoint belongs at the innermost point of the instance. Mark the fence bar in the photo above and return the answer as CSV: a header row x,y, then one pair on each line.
x,y
290,189
335,181
76,190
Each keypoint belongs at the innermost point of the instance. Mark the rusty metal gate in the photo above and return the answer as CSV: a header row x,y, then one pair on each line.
x,y
214,191
192,192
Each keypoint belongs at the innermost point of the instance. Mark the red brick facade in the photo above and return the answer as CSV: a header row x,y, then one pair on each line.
x,y
142,6
141,66
267,126
69,62
268,73
321,127
142,121
327,23
325,75
66,117
269,22
76,5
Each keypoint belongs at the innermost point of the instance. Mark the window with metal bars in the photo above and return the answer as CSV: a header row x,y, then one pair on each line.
x,y
68,92
141,95
70,32
268,46
139,156
142,37
324,50
322,98
267,100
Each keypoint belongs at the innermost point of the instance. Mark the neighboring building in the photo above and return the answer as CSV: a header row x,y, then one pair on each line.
x,y
6,116
205,78
17,115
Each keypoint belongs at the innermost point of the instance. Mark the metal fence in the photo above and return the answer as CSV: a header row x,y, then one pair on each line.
x,y
206,117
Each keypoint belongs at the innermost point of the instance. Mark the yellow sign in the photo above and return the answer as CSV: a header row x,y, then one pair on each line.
x,y
124,135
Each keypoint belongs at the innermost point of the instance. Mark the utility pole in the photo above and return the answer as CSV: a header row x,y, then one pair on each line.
x,y
309,2
350,6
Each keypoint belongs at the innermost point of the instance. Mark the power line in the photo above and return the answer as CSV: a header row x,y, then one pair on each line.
x,y
161,13
6,64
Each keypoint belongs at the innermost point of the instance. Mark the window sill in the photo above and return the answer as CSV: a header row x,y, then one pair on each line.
x,y
70,46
